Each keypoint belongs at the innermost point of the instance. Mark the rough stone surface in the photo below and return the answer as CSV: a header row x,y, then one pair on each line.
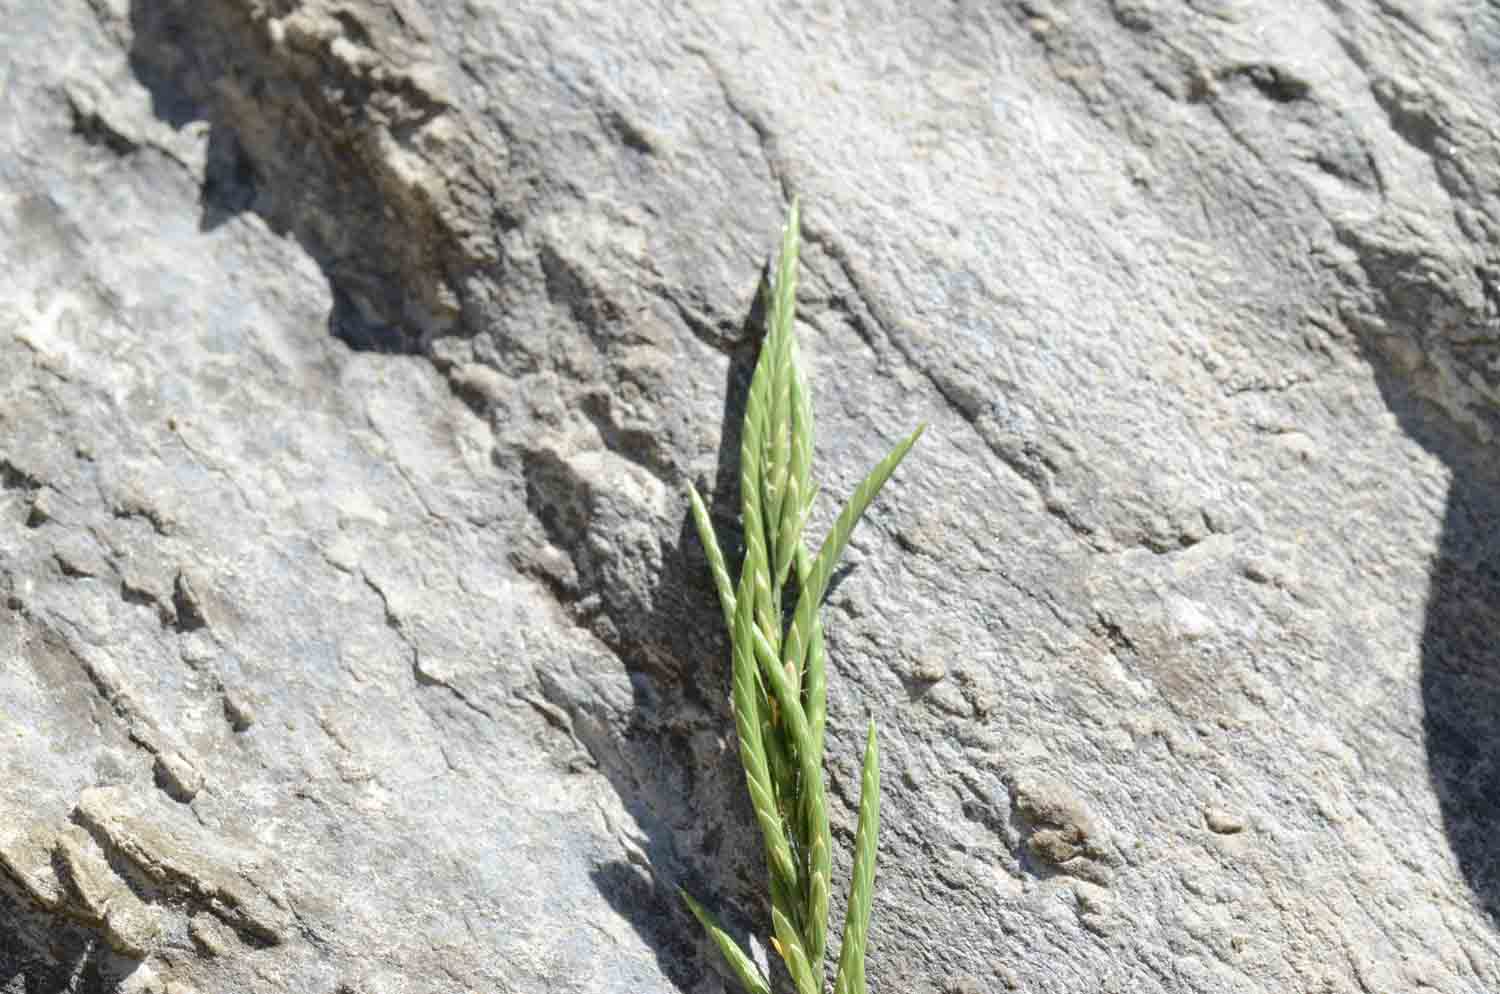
x,y
102,897
355,356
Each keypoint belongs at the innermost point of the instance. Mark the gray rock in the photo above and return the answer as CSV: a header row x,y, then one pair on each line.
x,y
355,358
100,897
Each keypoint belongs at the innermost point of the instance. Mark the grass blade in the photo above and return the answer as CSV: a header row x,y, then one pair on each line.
x,y
744,967
813,809
815,678
851,975
716,566
782,489
789,945
780,678
752,748
802,427
815,584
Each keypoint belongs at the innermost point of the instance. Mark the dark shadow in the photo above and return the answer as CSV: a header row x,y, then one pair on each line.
x,y
295,152
683,655
170,60
679,658
1461,642
228,180
654,910
41,954
1461,683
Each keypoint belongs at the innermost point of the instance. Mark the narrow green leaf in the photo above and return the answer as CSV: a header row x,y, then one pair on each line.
x,y
789,531
778,462
752,431
813,811
800,488
755,596
815,691
780,349
792,712
819,857
814,674
851,973
783,771
744,967
789,901
815,584
752,747
784,304
716,566
789,944
766,609
817,897
802,426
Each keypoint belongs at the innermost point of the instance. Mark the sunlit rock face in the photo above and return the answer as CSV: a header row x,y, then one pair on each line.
x,y
355,359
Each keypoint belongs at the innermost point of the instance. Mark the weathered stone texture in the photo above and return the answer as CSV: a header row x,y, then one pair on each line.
x,y
355,357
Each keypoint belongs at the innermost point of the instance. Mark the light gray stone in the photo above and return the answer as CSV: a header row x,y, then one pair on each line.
x,y
356,355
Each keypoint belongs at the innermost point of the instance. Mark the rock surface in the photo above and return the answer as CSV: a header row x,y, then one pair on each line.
x,y
355,356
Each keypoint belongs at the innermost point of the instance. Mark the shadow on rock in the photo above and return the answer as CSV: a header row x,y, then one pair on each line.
x,y
1461,643
1461,682
675,710
40,955
297,144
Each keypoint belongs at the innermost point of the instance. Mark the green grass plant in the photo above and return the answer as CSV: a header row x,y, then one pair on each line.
x,y
779,672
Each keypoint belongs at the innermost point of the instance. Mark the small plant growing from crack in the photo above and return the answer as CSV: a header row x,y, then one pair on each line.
x,y
778,671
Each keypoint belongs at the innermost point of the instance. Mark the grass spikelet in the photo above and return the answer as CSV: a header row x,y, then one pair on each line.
x,y
780,677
